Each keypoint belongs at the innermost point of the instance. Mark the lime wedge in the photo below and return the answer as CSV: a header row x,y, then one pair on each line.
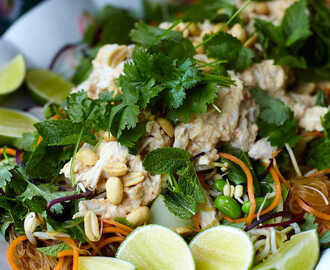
x,y
13,124
12,75
155,247
159,214
103,263
222,248
47,86
301,252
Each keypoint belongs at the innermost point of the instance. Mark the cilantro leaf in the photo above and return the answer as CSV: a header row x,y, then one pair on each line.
x,y
321,99
144,34
326,125
78,106
325,239
272,110
309,223
224,46
183,206
27,142
54,250
196,103
5,173
130,137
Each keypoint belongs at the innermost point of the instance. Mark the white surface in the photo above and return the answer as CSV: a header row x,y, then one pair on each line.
x,y
41,32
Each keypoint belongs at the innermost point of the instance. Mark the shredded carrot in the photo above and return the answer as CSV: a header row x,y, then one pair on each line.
x,y
320,173
106,241
115,230
309,209
196,222
9,151
65,253
278,192
12,251
59,264
39,140
278,172
75,250
117,224
56,117
312,134
249,176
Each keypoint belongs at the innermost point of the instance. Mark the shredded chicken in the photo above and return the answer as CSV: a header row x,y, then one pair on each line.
x,y
311,119
262,149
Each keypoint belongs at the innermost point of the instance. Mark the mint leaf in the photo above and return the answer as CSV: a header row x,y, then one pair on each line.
x,y
180,205
272,110
309,223
325,239
226,47
54,250
165,160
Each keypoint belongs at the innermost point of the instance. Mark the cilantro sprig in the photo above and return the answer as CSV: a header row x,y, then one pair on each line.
x,y
184,191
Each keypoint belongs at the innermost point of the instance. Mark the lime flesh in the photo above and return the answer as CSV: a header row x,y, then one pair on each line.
x,y
301,252
12,75
13,124
103,263
155,247
47,86
222,248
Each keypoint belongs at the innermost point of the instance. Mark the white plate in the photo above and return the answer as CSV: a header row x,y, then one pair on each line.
x,y
40,33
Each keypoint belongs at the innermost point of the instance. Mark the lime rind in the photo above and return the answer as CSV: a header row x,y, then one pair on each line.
x,y
12,75
301,252
47,86
13,124
103,263
222,247
154,247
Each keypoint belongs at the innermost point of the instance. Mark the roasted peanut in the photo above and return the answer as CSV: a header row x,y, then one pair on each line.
x,y
116,169
238,32
139,216
92,229
117,56
133,178
87,156
166,126
115,190
261,8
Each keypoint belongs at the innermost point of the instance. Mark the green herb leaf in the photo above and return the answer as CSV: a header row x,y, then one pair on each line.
x,y
309,223
5,173
27,142
321,99
181,205
224,46
325,239
54,250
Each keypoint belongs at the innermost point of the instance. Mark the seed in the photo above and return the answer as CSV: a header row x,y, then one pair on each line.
x,y
139,216
92,229
115,190
238,193
184,231
133,178
117,56
87,156
228,206
228,190
166,126
116,169
238,32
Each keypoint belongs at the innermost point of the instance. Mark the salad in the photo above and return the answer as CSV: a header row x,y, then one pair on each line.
x,y
196,138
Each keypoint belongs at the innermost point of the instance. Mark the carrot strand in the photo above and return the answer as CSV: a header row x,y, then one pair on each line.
x,y
196,222
12,251
59,264
115,230
320,173
117,224
65,253
310,209
106,241
9,151
75,251
250,187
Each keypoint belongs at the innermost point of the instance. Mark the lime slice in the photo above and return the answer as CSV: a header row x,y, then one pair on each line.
x,y
47,86
301,252
155,247
13,124
159,214
103,263
222,248
12,75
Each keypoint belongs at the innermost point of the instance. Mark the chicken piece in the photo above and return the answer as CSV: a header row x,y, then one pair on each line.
x,y
266,75
135,196
262,149
204,132
107,67
311,119
246,132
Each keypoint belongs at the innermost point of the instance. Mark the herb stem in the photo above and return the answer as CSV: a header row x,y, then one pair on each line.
x,y
216,108
74,156
225,25
206,64
165,32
